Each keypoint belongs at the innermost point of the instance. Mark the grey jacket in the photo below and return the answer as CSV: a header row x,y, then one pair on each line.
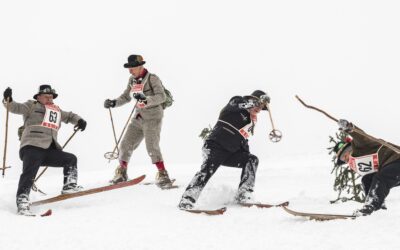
x,y
33,114
153,90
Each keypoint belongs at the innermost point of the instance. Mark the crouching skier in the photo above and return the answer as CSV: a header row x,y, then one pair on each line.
x,y
227,145
39,146
377,161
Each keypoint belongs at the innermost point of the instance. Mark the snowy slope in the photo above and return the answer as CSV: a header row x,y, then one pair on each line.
x,y
144,217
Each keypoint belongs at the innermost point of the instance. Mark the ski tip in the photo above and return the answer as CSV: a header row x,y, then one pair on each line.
x,y
47,213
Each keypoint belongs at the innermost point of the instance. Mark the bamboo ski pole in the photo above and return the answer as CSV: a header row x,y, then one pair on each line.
x,y
112,155
6,138
275,135
356,130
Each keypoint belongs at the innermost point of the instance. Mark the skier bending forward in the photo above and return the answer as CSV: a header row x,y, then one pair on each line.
x,y
378,165
228,145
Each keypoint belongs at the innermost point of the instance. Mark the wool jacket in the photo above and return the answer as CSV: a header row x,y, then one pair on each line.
x,y
34,133
154,92
363,145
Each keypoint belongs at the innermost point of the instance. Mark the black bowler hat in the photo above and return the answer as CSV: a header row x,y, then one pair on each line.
x,y
256,95
46,89
134,61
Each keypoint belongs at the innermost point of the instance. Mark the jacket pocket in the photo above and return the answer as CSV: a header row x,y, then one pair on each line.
x,y
36,132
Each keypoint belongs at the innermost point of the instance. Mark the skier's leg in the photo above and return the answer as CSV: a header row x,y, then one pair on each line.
x,y
69,162
151,131
130,141
382,182
248,163
32,158
213,156
366,182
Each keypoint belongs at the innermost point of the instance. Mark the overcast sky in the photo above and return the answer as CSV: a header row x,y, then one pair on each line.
x,y
341,56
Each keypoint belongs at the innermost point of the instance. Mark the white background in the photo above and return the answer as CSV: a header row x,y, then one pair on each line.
x,y
341,56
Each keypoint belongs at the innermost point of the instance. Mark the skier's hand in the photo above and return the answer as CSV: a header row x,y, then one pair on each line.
x,y
8,94
139,97
345,125
109,103
265,99
80,125
251,103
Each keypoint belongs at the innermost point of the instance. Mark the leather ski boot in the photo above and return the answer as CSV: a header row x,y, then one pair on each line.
x,y
121,175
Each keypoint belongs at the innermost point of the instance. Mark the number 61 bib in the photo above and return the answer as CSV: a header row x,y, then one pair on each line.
x,y
364,165
52,117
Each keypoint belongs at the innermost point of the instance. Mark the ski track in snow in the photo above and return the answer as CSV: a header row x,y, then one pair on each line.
x,y
145,217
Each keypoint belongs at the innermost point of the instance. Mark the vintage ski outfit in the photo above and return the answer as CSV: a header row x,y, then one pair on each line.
x,y
146,123
378,164
39,145
228,145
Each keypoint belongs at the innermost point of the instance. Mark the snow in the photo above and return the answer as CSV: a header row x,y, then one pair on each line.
x,y
340,56
145,217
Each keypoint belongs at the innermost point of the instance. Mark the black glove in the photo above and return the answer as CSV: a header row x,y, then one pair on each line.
x,y
8,94
109,103
345,125
81,125
139,97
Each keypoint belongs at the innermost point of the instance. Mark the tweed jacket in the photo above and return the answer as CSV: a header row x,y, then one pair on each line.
x,y
154,92
33,114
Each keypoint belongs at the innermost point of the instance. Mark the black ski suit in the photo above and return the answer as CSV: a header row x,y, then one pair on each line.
x,y
226,146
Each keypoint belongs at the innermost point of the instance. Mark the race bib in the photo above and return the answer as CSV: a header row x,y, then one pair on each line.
x,y
52,117
137,88
364,165
248,130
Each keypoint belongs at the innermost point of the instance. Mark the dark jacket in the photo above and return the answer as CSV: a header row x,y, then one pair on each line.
x,y
228,136
363,145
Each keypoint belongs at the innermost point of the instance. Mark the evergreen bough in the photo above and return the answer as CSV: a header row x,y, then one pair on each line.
x,y
347,183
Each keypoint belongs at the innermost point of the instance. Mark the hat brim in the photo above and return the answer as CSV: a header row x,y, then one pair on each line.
x,y
54,95
345,148
133,65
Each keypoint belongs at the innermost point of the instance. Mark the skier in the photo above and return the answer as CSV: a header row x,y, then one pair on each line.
x,y
378,164
39,145
228,145
146,123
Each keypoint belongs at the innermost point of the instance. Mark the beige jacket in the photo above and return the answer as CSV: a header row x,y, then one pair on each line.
x,y
33,114
153,90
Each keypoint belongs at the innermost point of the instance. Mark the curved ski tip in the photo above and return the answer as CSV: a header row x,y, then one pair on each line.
x,y
285,204
47,213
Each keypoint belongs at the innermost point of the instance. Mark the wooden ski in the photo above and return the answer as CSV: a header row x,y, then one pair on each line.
x,y
318,217
90,191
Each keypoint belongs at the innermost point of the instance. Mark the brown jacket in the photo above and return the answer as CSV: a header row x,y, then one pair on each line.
x,y
33,114
153,90
363,145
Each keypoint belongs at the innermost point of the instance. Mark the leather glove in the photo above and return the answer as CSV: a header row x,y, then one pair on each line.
x,y
81,125
139,97
265,99
109,103
8,94
345,125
